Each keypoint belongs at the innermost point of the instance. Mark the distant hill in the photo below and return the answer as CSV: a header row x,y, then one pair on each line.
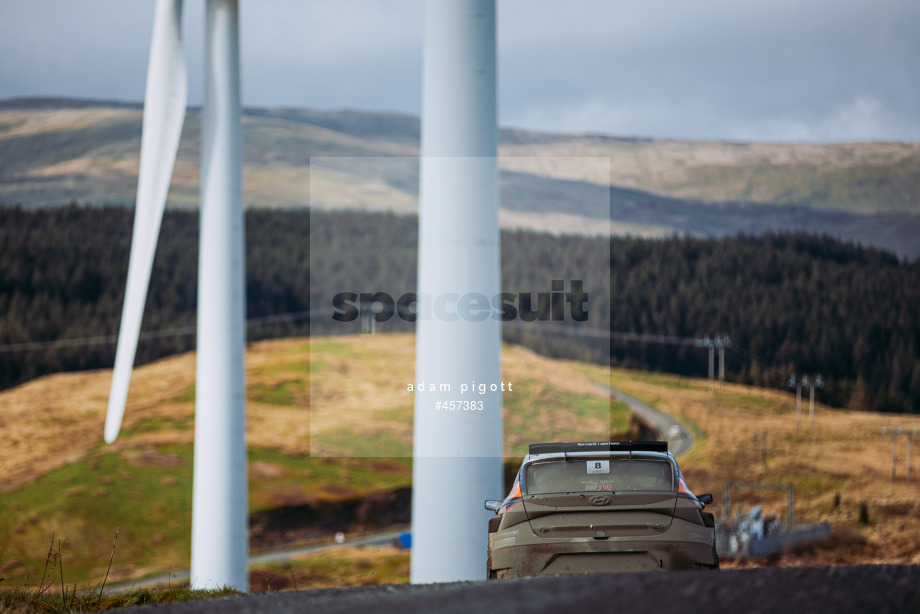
x,y
54,151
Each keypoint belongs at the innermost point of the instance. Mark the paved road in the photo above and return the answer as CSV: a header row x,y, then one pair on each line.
x,y
879,589
660,421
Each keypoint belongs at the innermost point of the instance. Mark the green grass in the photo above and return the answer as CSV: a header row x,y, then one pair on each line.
x,y
700,438
622,380
672,382
153,425
746,401
84,503
346,442
317,366
811,485
321,571
620,416
144,491
280,394
328,346
306,478
296,367
186,396
531,399
399,415
362,474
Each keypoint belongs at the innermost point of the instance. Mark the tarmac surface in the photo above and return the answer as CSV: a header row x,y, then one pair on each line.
x,y
872,589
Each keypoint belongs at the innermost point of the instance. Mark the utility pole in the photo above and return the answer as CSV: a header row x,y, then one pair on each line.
x,y
797,384
894,433
711,378
716,341
763,449
816,383
790,508
722,343
368,317
910,435
706,342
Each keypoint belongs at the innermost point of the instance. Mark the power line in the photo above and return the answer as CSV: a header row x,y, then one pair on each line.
x,y
598,333
554,329
181,331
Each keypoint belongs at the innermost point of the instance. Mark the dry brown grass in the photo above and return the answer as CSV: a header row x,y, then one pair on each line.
x,y
680,168
564,223
26,123
846,456
364,385
56,420
48,423
361,381
333,568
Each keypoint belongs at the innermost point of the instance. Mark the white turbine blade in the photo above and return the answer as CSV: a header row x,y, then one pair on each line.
x,y
164,113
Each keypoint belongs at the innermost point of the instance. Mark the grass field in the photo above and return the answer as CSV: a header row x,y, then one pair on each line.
x,y
61,480
749,435
344,566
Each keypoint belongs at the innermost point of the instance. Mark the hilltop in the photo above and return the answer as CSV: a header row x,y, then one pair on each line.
x,y
56,151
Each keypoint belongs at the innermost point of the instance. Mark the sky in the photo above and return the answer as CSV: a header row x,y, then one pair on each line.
x,y
748,70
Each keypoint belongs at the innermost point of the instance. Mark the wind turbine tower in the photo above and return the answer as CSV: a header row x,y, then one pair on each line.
x,y
220,547
457,454
220,502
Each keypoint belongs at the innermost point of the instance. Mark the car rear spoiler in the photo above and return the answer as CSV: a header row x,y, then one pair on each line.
x,y
599,446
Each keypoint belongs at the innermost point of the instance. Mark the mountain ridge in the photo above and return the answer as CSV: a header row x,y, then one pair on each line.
x,y
54,151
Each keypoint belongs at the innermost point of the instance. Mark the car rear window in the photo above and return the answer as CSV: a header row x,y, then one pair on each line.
x,y
601,474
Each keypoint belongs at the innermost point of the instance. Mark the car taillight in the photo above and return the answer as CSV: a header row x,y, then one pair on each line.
x,y
682,489
514,494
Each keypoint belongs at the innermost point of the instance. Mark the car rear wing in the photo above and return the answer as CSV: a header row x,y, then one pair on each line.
x,y
599,446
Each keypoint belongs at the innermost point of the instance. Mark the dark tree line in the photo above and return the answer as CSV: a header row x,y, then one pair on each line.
x,y
791,302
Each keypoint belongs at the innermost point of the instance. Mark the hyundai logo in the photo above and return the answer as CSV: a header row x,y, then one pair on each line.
x,y
599,500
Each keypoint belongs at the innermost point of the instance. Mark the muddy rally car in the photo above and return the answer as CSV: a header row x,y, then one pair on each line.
x,y
599,507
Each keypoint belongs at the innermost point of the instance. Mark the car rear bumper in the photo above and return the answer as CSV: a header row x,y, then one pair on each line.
x,y
529,555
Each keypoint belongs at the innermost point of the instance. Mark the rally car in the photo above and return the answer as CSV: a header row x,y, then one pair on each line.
x,y
599,507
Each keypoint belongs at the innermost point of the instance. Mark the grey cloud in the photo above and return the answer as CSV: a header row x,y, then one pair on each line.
x,y
761,69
